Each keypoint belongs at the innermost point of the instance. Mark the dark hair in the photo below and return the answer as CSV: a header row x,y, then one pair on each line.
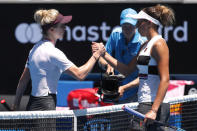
x,y
162,13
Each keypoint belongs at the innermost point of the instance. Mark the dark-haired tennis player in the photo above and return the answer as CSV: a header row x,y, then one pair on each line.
x,y
153,64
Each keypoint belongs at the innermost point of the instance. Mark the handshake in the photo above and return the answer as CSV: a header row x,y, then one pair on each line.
x,y
98,49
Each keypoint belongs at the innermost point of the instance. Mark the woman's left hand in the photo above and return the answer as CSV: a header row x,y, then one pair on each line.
x,y
98,47
150,115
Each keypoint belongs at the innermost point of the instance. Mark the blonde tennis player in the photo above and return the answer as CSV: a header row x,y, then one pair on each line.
x,y
46,63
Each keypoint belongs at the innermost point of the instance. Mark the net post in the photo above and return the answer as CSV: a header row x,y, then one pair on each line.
x,y
75,121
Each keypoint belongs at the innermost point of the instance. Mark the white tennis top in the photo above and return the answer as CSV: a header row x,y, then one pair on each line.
x,y
46,64
148,73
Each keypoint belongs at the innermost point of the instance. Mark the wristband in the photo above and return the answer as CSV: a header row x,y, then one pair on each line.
x,y
94,57
154,111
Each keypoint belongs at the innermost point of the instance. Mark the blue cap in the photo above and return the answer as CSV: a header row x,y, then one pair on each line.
x,y
125,16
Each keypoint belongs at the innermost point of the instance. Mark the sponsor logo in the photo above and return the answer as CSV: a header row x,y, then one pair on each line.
x,y
97,125
192,91
92,33
28,33
31,33
179,33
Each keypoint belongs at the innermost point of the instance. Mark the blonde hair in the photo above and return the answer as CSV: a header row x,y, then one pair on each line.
x,y
162,13
44,17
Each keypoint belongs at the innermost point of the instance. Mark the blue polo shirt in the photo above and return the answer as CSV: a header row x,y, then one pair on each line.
x,y
116,46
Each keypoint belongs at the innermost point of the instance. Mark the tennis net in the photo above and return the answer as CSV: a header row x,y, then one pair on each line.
x,y
108,118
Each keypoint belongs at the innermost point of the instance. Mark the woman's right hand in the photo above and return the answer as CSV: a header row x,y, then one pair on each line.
x,y
98,49
121,90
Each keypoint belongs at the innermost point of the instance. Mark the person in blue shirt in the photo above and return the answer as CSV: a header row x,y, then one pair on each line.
x,y
124,44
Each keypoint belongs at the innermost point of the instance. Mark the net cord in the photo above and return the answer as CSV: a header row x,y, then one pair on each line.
x,y
82,112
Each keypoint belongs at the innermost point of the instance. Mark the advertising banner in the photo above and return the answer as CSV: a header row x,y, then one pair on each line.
x,y
91,22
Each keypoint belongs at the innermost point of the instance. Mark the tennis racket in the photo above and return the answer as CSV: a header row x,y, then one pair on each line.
x,y
142,116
